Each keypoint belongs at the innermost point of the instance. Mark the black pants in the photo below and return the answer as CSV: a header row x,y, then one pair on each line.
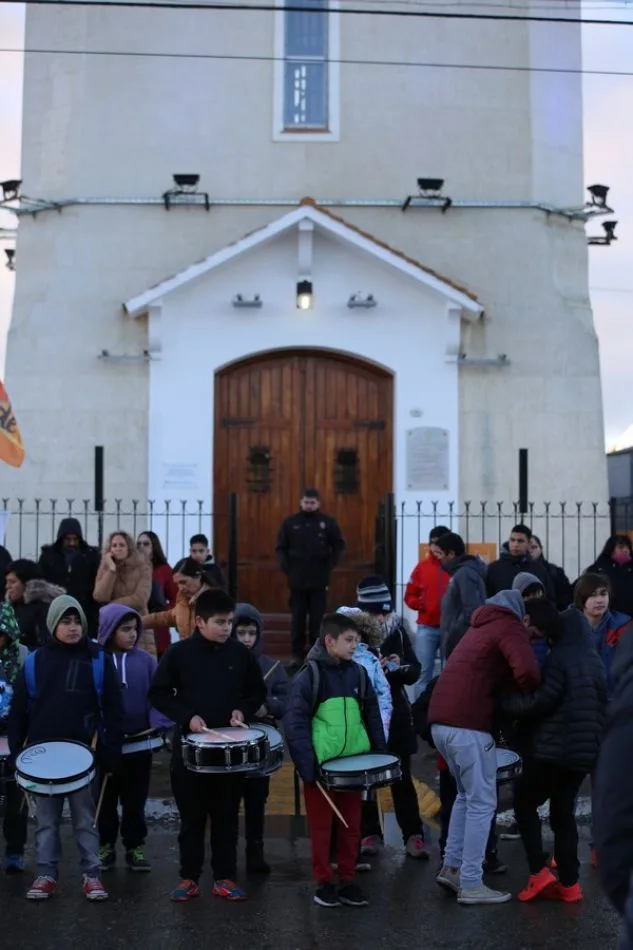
x,y
405,806
255,798
448,794
129,786
538,782
202,797
306,606
15,818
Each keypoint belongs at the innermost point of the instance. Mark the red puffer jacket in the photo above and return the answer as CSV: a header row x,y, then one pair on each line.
x,y
425,589
494,652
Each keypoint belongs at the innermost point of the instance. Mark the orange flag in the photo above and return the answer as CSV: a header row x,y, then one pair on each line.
x,y
11,448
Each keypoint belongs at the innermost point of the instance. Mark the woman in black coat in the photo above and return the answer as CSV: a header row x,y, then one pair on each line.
x,y
561,727
616,561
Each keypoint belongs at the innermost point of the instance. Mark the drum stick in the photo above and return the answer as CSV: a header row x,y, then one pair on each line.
x,y
100,802
331,804
272,669
242,725
381,817
221,735
95,739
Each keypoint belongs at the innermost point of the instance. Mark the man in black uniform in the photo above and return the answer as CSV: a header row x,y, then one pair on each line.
x,y
309,547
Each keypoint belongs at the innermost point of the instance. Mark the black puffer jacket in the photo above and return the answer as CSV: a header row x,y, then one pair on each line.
x,y
402,736
502,572
564,718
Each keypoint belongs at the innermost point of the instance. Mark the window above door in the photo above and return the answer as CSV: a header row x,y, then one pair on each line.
x,y
307,72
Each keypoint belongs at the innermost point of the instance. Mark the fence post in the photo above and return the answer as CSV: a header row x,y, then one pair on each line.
x,y
99,502
390,543
232,546
613,516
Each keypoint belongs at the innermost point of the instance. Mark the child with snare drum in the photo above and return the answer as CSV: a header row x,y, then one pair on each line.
x,y
248,628
12,657
67,690
342,719
202,684
119,632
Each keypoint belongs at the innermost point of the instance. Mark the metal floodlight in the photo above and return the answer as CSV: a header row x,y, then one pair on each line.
x,y
609,229
11,189
254,302
10,255
186,181
304,294
364,301
598,194
430,186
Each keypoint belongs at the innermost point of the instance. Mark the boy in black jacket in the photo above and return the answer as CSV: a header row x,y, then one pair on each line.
x,y
208,680
66,705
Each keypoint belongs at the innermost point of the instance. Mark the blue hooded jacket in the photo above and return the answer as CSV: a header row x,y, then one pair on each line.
x,y
274,674
134,669
611,621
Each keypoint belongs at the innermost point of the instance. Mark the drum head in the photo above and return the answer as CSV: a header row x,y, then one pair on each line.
x,y
55,761
273,735
505,758
4,747
360,763
225,735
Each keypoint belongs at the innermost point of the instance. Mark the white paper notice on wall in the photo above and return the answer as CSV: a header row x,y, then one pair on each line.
x,y
427,459
180,476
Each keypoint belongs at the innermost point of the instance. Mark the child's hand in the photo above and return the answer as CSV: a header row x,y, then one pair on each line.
x,y
237,717
394,660
197,724
261,712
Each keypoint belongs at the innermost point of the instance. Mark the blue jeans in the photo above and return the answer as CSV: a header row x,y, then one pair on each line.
x,y
472,761
427,647
48,847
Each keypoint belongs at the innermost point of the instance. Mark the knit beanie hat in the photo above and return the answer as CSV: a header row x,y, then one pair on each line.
x,y
372,595
63,605
524,579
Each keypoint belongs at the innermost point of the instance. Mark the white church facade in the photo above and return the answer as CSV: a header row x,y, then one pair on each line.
x,y
301,310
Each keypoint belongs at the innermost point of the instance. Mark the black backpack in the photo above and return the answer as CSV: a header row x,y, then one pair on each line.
x,y
313,666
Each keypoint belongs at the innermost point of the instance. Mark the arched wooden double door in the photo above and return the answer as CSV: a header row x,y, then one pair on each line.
x,y
290,419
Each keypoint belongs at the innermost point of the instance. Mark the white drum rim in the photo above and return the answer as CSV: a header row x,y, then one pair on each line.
x,y
389,761
510,757
197,739
68,779
52,790
275,738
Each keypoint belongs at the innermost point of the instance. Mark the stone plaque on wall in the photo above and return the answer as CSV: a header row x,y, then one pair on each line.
x,y
427,459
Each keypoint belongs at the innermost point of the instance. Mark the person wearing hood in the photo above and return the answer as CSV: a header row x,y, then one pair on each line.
x,y
309,547
494,654
613,794
616,564
71,563
561,726
342,720
531,588
466,590
119,632
248,628
125,577
30,597
65,705
515,557
12,657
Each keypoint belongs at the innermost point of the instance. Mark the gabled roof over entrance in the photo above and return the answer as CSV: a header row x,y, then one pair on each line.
x,y
324,220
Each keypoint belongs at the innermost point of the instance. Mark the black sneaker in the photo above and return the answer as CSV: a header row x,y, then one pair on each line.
x,y
352,895
255,863
107,857
363,864
492,865
136,860
326,896
511,833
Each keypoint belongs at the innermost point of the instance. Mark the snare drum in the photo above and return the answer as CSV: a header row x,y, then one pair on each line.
x,y
509,766
275,758
227,750
150,740
55,768
361,772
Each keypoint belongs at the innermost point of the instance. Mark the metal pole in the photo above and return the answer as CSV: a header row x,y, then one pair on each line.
x,y
99,486
523,483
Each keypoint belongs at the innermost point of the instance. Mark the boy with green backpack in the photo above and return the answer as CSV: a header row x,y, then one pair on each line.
x,y
332,712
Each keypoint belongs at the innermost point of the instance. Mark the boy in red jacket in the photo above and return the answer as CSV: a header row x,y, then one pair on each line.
x,y
424,592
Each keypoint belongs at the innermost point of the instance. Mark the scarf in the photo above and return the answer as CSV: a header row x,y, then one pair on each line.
x,y
10,653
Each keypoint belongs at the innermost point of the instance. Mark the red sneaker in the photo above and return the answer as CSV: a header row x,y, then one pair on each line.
x,y
41,888
536,884
569,895
228,890
186,890
94,889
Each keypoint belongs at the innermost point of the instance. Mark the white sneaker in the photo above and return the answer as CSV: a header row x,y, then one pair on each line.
x,y
482,895
448,878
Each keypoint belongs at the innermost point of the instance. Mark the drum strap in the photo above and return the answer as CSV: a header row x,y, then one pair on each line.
x,y
98,676
313,666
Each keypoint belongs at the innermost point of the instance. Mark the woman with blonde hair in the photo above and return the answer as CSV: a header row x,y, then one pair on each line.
x,y
125,577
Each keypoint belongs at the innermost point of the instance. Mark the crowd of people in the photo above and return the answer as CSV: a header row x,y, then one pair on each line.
x,y
508,654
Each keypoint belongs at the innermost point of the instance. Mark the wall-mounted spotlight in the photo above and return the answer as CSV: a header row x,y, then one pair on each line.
x,y
185,188
11,189
366,301
609,235
429,195
10,255
304,294
108,357
598,195
186,181
246,302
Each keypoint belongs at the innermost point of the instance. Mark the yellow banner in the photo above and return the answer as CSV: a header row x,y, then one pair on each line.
x,y
11,448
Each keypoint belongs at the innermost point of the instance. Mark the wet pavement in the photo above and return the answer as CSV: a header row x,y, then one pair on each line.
x,y
407,910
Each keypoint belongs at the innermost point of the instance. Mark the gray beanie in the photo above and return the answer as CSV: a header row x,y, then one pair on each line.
x,y
524,579
59,607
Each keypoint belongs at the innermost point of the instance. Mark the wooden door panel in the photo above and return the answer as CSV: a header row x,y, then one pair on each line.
x,y
301,410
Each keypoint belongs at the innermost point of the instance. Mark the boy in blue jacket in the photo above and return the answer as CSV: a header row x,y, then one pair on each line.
x,y
65,704
342,720
248,628
119,632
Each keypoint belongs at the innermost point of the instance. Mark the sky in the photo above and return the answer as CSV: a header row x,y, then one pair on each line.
x,y
608,108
